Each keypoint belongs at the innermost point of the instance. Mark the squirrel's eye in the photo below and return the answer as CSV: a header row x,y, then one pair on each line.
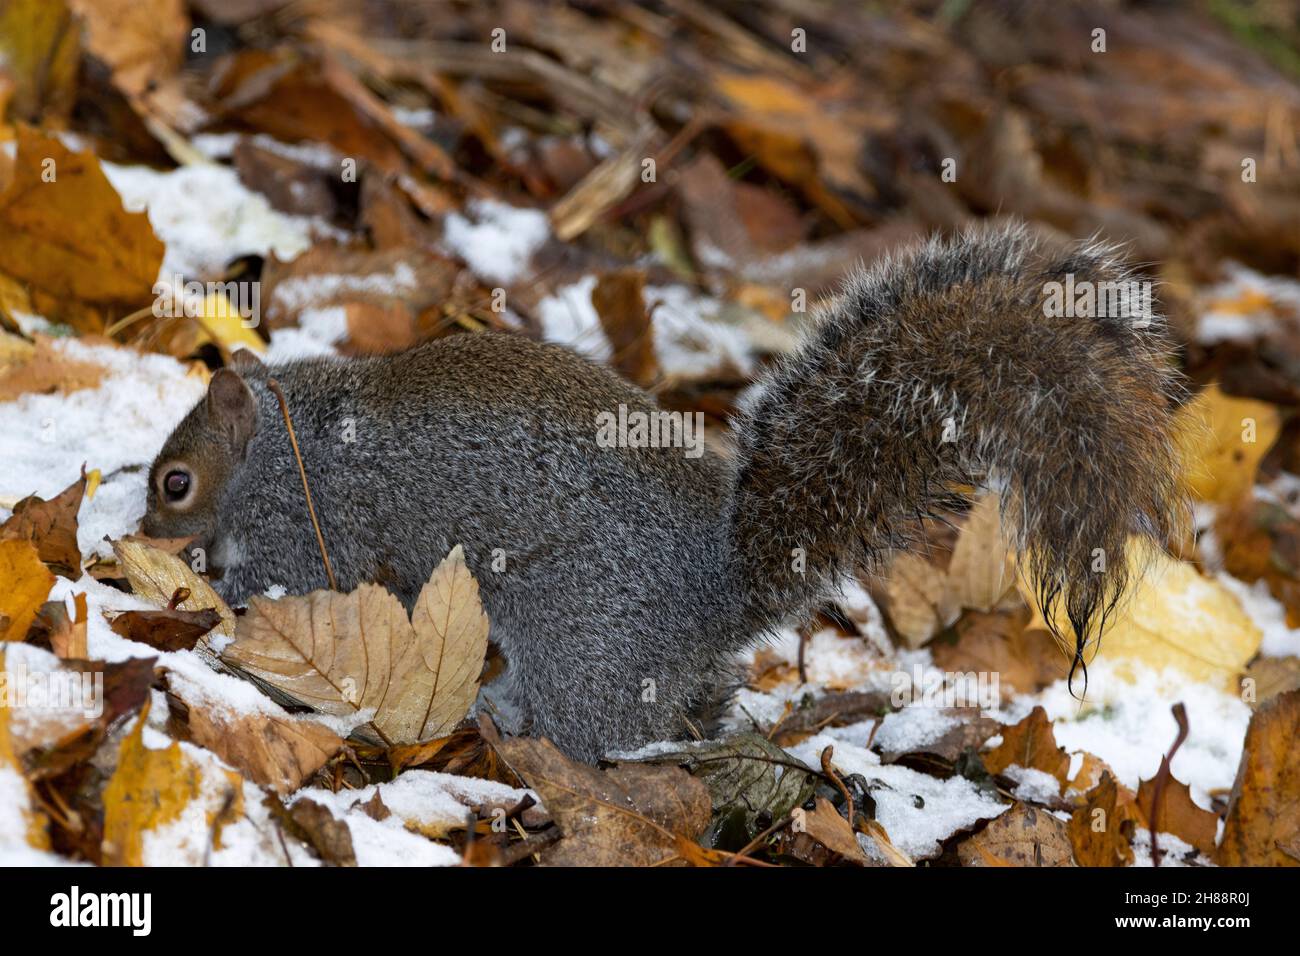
x,y
176,484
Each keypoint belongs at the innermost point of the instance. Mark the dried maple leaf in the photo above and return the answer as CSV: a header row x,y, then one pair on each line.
x,y
345,654
156,576
1262,816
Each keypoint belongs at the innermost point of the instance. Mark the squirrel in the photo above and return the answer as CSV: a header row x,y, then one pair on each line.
x,y
621,583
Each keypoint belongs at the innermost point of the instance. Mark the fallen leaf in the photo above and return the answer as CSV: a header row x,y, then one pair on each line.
x,y
1173,616
747,776
825,825
915,596
151,789
1223,439
38,54
1101,828
628,815
166,630
41,369
1178,814
270,747
52,527
1273,676
1000,642
317,826
1262,815
1030,743
69,640
156,575
69,234
982,570
1022,836
347,653
619,300
24,585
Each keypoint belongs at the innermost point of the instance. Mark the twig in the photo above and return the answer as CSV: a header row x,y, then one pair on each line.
x,y
830,772
274,386
744,851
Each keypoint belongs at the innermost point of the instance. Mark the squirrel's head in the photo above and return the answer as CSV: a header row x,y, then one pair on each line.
x,y
191,472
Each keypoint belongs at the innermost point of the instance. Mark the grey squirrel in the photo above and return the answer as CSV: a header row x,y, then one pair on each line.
x,y
628,579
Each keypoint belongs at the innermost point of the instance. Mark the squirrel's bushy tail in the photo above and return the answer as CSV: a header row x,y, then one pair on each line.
x,y
953,365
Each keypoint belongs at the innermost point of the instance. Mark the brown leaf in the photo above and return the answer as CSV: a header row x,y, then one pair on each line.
x,y
166,630
374,808
1022,836
344,653
825,825
52,527
629,815
1100,828
1262,815
1273,676
1030,743
270,747
141,41
1178,814
68,639
314,824
70,235
999,642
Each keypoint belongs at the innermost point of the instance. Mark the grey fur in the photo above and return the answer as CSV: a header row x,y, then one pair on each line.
x,y
633,576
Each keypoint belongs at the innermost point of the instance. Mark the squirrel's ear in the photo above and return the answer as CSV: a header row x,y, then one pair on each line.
x,y
243,359
231,407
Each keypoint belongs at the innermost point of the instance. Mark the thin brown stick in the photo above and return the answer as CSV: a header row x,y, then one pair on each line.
x,y
830,772
274,386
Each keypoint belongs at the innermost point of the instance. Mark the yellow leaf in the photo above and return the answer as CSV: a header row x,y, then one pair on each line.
x,y
38,50
1173,616
223,324
1223,439
152,788
65,229
24,585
